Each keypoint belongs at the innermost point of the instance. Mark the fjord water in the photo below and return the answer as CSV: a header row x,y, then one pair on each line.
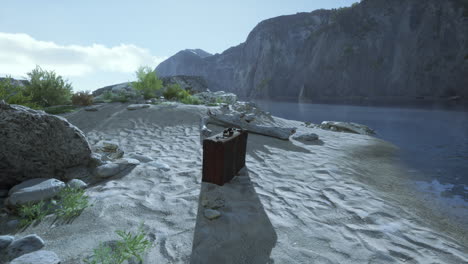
x,y
433,142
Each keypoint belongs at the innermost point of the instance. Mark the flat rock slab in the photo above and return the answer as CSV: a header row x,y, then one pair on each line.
x,y
305,137
92,108
37,257
34,190
24,245
137,106
111,169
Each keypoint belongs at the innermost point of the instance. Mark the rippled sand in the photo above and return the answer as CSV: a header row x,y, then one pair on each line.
x,y
339,200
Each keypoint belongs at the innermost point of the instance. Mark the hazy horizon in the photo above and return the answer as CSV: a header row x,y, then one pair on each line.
x,y
94,44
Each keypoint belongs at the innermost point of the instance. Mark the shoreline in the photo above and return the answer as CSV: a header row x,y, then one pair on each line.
x,y
299,201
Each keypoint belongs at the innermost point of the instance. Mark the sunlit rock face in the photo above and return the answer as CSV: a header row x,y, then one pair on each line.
x,y
376,49
34,144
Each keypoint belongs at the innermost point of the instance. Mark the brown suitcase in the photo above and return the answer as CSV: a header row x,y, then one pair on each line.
x,y
224,155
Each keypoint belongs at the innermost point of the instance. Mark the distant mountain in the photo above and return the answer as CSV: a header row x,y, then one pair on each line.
x,y
375,49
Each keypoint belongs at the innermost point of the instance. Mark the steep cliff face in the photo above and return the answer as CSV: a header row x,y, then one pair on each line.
x,y
378,48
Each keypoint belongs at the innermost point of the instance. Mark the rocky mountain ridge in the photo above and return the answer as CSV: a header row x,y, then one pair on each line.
x,y
375,49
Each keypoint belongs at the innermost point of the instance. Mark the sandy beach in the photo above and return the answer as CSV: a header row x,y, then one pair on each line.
x,y
341,199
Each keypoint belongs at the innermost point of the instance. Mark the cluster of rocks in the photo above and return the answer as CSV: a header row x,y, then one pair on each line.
x,y
209,97
25,250
248,117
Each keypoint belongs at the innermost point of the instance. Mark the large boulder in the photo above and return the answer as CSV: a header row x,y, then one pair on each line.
x,y
34,144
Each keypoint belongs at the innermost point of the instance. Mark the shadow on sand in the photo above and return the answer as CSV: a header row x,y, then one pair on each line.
x,y
242,234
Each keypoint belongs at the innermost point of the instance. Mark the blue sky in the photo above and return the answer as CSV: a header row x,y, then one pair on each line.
x,y
97,43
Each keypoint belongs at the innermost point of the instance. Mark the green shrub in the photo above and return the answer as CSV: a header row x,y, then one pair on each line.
x,y
46,88
147,82
131,245
72,201
191,100
172,91
82,98
14,94
32,212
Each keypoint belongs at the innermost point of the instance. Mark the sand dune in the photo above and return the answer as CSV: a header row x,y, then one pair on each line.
x,y
338,200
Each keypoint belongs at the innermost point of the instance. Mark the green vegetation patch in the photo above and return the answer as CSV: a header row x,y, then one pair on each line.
x,y
147,82
70,203
131,245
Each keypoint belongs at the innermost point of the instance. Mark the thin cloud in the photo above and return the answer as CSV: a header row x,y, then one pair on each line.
x,y
20,53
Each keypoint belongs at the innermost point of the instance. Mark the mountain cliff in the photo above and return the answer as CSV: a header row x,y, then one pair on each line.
x,y
375,49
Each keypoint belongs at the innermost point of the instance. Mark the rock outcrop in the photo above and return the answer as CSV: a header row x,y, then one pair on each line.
x,y
377,49
34,144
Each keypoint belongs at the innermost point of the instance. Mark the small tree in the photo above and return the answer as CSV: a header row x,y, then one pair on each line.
x,y
46,88
147,82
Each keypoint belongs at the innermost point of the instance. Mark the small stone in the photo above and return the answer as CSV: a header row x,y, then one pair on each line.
x,y
137,106
306,137
92,108
5,241
111,169
95,160
34,190
24,245
211,214
107,170
38,257
78,184
213,204
160,165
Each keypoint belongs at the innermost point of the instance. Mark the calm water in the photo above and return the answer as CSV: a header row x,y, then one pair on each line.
x,y
433,142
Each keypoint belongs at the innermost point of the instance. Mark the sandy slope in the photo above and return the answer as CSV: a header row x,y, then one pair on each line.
x,y
339,200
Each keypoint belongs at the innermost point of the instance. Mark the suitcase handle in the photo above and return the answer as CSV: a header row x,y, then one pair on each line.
x,y
228,132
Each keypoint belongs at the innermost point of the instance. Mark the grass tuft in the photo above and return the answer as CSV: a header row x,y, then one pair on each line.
x,y
72,202
131,245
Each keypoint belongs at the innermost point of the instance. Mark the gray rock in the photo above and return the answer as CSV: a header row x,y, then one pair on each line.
x,y
5,241
137,106
306,137
37,257
159,165
96,160
108,151
24,245
141,157
3,193
215,97
37,145
78,184
108,170
211,214
13,224
111,169
347,127
34,190
92,108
